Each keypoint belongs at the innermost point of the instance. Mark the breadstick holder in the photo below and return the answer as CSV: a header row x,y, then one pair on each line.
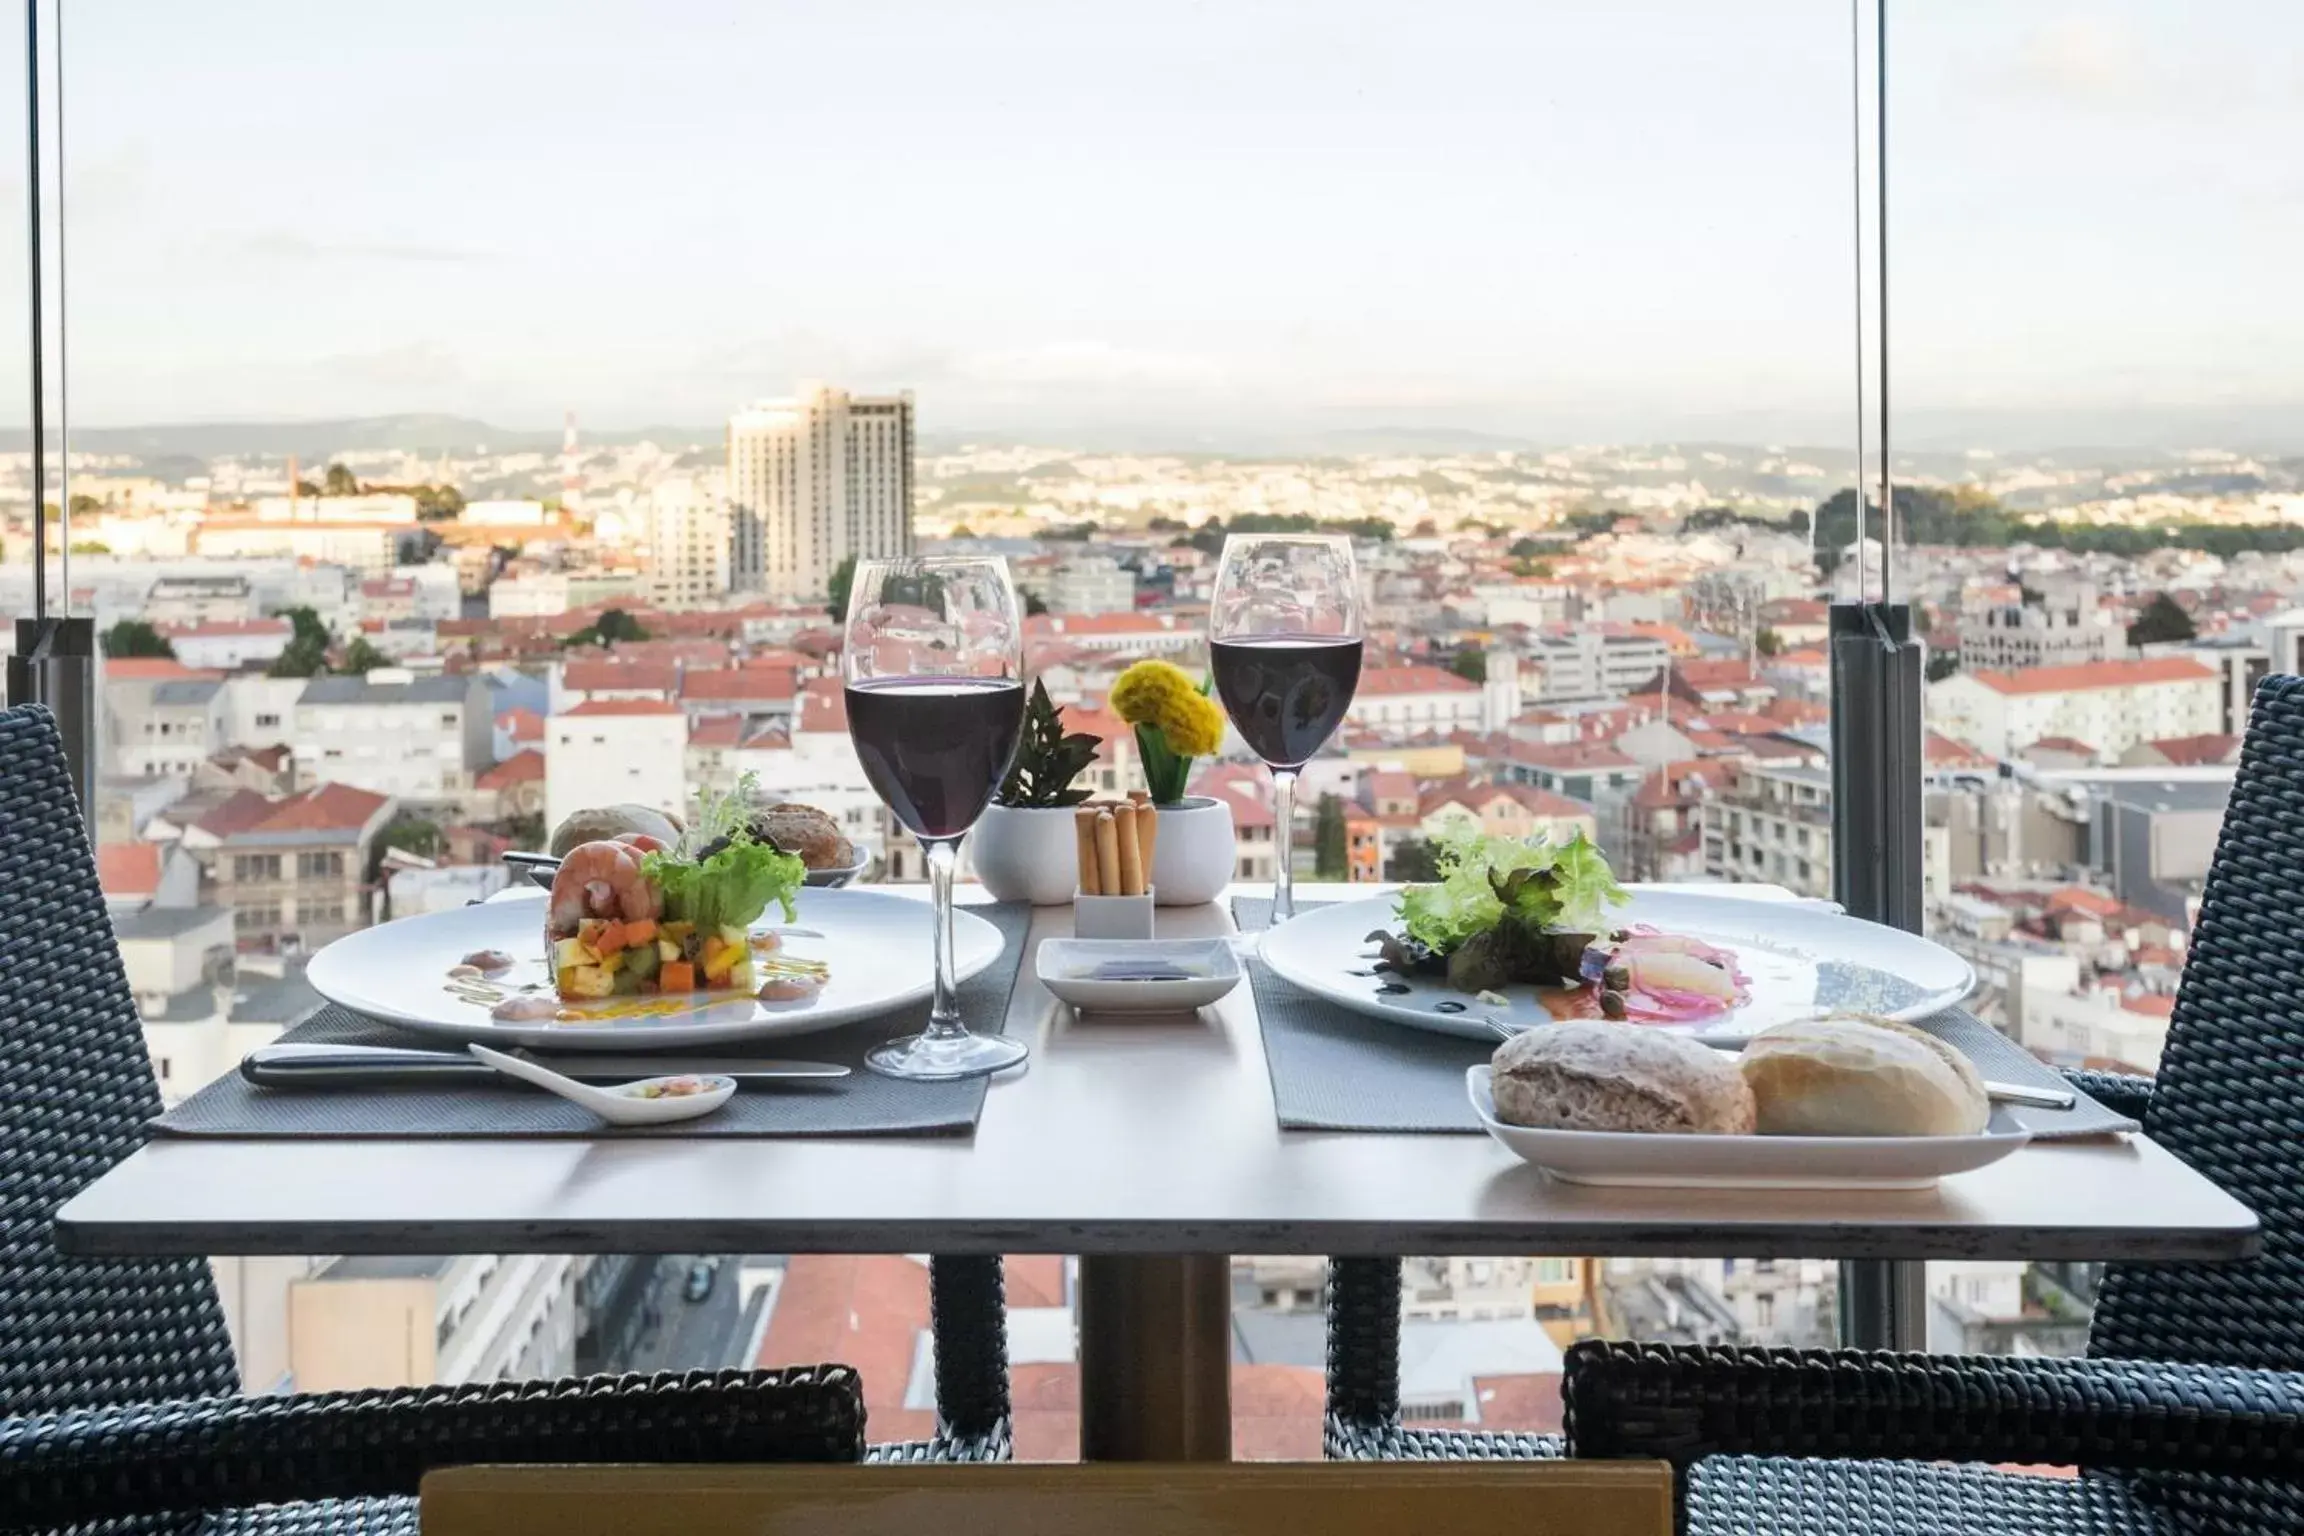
x,y
1112,917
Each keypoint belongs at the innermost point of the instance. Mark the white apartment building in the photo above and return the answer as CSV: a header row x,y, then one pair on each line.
x,y
2110,705
1416,700
687,542
367,507
1092,584
1773,825
230,644
2069,630
504,514
369,548
189,599
813,480
258,710
1590,663
614,752
1126,636
421,740
167,726
547,593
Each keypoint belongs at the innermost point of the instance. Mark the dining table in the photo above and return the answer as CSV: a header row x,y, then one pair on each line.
x,y
1148,1146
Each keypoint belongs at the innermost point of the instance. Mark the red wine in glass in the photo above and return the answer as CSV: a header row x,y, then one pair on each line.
x,y
935,748
1286,694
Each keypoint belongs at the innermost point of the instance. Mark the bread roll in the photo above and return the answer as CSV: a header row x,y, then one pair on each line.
x,y
806,831
602,822
1854,1075
1591,1076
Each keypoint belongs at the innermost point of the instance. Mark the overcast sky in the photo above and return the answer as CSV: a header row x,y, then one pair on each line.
x,y
1620,218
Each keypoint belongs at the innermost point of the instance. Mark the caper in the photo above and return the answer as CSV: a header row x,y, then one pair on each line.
x,y
1617,978
1612,1005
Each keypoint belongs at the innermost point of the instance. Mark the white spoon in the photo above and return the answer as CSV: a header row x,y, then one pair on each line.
x,y
621,1103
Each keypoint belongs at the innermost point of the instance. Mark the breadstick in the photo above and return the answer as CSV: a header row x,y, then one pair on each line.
x,y
1139,798
1131,852
1107,854
1084,823
1148,837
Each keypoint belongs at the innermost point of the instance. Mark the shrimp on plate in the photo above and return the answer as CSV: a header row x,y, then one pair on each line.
x,y
602,880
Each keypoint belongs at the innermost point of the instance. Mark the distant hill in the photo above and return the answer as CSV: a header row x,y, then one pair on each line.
x,y
316,441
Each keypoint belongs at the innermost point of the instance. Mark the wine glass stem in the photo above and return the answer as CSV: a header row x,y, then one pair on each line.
x,y
943,857
1283,844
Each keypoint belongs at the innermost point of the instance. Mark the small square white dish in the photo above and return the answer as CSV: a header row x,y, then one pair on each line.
x,y
1138,975
1657,1160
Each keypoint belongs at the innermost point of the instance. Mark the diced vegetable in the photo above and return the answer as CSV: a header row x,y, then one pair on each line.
x,y
611,938
586,981
641,961
667,950
613,962
677,932
589,930
629,983
677,976
639,932
570,953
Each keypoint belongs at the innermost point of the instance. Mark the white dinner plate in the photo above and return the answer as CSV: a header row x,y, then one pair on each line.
x,y
1655,1159
1110,975
1800,959
877,946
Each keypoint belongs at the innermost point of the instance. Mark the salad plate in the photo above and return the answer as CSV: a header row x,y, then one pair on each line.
x,y
1652,1159
873,949
1695,962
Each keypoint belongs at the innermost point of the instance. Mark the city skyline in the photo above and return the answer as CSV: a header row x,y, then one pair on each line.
x,y
1555,228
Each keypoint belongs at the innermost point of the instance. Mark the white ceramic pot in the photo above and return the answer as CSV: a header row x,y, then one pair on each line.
x,y
1027,854
1194,860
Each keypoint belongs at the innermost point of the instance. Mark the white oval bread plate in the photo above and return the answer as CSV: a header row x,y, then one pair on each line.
x,y
1655,1160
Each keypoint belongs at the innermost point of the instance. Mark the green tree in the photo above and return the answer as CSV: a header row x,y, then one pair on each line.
x,y
843,578
438,503
1768,642
90,547
963,531
526,831
306,654
340,482
1525,548
361,658
1328,851
613,627
414,834
1942,664
134,637
1412,859
1034,604
2162,621
1471,664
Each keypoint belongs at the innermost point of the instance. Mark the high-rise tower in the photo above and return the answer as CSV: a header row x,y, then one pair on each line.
x,y
813,480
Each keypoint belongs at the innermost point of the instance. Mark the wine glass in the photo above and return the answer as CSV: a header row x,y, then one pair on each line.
x,y
934,665
1284,648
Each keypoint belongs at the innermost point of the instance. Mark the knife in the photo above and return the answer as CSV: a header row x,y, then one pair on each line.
x,y
356,1066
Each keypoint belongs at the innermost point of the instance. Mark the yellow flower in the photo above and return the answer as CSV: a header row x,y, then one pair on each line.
x,y
1157,694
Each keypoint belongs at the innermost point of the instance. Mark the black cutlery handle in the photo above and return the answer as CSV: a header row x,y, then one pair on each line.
x,y
336,1066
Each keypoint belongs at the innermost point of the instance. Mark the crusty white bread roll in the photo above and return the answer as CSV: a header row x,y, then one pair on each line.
x,y
1855,1075
1591,1076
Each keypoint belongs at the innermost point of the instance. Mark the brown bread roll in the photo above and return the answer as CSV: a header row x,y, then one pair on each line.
x,y
1856,1075
1592,1076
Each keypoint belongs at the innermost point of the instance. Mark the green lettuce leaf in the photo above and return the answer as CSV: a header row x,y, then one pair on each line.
x,y
1482,879
731,888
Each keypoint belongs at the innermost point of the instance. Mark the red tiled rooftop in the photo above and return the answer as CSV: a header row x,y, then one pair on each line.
x,y
824,706
619,677
520,768
2097,674
128,869
2197,751
329,808
237,812
522,724
152,669
717,732
623,707
1941,751
1381,681
739,684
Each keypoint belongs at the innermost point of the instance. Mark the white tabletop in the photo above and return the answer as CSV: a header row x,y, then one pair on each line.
x,y
1120,1137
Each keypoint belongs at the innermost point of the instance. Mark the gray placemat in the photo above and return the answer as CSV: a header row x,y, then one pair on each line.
x,y
861,1104
1336,1070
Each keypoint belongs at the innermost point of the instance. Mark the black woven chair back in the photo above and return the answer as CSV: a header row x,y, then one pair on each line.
x,y
75,1090
2230,1094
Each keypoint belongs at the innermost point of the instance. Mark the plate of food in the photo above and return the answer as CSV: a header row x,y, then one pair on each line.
x,y
643,944
1834,1103
831,857
1523,932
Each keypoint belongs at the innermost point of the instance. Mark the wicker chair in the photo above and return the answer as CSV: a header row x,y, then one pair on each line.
x,y
2188,1410
118,1402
